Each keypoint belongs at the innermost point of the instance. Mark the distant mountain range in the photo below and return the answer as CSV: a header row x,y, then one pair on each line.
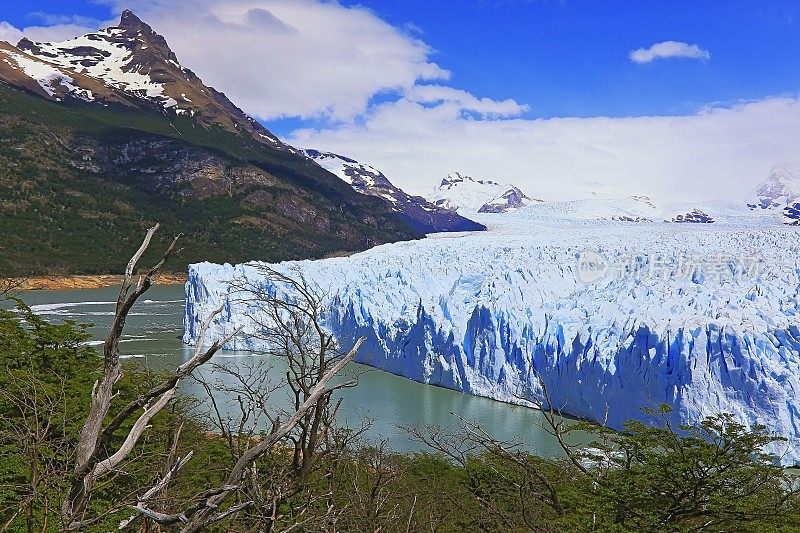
x,y
107,133
416,211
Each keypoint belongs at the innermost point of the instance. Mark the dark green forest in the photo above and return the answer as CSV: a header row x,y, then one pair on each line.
x,y
66,207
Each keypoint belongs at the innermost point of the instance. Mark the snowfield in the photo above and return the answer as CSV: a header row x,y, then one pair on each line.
x,y
703,317
99,56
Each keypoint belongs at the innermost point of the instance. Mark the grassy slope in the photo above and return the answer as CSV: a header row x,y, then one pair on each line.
x,y
56,219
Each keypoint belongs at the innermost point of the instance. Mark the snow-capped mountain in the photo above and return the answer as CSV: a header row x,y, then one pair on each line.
x,y
703,317
467,194
419,213
128,64
117,114
781,187
513,198
781,190
47,79
637,209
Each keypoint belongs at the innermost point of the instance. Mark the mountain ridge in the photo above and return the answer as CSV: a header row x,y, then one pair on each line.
x,y
87,166
418,212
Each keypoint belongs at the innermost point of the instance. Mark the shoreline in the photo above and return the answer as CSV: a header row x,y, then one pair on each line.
x,y
89,281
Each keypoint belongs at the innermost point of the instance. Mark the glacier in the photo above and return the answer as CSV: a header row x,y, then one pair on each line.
x,y
495,312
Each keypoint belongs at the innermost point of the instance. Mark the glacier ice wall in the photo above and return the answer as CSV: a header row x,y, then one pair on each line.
x,y
484,313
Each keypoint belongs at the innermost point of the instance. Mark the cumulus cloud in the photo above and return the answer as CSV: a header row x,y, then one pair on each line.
x,y
464,101
718,153
669,49
9,33
45,32
51,27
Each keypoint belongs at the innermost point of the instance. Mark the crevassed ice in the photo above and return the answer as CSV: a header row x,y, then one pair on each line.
x,y
484,313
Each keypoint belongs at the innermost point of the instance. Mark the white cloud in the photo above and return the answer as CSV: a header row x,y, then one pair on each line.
x,y
54,32
9,33
719,153
669,49
485,107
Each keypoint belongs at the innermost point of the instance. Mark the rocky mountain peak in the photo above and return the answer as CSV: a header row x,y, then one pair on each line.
x,y
141,39
137,64
456,177
129,21
513,198
783,182
459,191
781,188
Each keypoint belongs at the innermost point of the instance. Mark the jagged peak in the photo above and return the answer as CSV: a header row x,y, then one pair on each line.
x,y
136,62
514,190
455,177
129,21
24,43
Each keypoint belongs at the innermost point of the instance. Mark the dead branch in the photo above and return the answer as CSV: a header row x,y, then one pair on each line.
x,y
92,459
206,515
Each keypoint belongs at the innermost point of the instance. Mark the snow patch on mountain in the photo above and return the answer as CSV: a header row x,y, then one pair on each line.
x,y
511,199
52,80
481,312
133,65
363,178
644,209
102,55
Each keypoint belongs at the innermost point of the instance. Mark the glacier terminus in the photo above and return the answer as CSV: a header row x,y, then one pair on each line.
x,y
703,317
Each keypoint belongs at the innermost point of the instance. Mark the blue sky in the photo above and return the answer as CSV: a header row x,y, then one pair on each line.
x,y
570,58
513,89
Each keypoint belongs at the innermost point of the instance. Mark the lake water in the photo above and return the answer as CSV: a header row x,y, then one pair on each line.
x,y
154,328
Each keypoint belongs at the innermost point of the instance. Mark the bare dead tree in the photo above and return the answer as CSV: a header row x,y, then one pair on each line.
x,y
287,326
101,452
290,326
286,317
210,506
95,458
